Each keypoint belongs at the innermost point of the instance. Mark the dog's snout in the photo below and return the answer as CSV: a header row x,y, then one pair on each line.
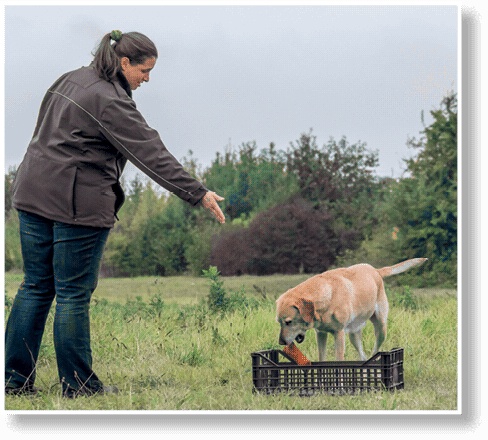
x,y
282,341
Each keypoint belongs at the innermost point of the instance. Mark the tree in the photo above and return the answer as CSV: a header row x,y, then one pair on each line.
x,y
424,205
339,178
249,179
9,180
13,256
289,238
123,250
330,212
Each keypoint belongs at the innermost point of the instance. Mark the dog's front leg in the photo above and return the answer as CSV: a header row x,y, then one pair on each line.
x,y
321,344
340,344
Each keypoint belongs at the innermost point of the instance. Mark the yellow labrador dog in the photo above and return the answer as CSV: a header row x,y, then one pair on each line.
x,y
338,301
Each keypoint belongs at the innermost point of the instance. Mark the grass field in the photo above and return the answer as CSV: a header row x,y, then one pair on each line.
x,y
157,340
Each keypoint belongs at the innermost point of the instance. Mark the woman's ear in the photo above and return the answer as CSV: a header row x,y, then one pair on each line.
x,y
124,62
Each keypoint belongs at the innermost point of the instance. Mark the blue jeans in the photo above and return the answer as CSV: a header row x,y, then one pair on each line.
x,y
61,261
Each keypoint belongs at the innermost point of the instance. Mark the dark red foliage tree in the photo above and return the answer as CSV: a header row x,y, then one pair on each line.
x,y
294,237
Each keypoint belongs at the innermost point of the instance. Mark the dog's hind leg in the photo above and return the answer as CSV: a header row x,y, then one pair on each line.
x,y
356,340
379,319
321,344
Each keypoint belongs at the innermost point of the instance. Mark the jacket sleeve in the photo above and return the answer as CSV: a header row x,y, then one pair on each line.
x,y
127,130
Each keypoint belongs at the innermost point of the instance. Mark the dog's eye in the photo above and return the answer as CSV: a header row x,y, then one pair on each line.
x,y
287,322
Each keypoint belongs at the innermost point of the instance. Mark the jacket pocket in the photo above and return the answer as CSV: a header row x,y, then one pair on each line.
x,y
46,187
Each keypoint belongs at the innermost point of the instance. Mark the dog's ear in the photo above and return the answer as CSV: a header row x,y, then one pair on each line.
x,y
306,309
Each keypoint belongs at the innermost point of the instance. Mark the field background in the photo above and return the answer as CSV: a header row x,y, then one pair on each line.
x,y
161,344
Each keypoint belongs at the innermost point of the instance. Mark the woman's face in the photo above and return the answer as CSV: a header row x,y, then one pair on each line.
x,y
138,73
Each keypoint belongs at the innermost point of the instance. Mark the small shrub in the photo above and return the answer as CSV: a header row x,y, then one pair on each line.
x,y
405,299
8,303
137,308
157,305
217,299
194,357
239,301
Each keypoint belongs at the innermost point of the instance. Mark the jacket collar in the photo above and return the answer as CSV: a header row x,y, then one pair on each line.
x,y
124,83
121,80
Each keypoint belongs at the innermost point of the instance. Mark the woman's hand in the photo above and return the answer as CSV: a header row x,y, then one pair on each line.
x,y
210,202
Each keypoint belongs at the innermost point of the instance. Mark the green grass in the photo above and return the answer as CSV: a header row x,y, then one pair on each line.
x,y
156,339
179,289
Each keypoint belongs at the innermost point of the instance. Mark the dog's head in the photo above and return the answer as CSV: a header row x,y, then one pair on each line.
x,y
295,316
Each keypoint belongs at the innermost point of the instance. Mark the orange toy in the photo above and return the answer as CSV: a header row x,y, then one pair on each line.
x,y
294,352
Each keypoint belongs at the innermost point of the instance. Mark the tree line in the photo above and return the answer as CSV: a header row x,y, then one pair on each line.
x,y
302,209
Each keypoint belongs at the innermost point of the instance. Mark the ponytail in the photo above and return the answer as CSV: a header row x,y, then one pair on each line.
x,y
133,45
106,61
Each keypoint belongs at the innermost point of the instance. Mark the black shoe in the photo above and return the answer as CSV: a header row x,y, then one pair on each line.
x,y
22,391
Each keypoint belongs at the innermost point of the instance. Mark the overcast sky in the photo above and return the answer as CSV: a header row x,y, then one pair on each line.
x,y
232,74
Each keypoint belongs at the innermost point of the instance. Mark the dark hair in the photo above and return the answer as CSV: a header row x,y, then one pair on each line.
x,y
133,45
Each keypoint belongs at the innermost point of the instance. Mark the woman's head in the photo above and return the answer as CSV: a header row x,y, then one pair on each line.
x,y
132,54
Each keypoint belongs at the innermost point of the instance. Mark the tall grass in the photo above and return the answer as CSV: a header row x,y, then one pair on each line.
x,y
166,354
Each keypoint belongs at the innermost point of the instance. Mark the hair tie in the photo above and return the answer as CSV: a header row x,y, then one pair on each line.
x,y
116,35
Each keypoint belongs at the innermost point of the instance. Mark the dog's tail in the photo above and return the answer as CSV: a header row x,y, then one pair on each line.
x,y
400,267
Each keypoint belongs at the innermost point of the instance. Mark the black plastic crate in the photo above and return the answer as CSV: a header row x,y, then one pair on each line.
x,y
273,371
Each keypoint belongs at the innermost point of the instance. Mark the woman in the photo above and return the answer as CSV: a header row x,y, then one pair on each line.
x,y
67,192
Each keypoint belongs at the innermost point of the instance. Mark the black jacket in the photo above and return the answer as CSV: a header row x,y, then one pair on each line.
x,y
86,131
